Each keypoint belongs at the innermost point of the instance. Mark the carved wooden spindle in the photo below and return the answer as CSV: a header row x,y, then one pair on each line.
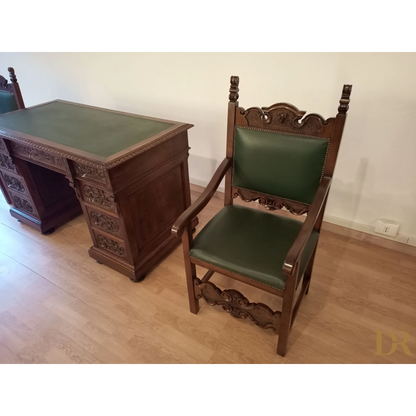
x,y
12,75
345,99
234,81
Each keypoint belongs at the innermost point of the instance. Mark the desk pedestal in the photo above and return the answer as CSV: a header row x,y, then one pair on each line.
x,y
40,194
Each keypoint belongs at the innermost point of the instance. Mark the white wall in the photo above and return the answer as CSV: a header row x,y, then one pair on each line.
x,y
375,175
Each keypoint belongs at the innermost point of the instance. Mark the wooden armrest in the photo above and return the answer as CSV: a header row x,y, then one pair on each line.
x,y
305,232
187,216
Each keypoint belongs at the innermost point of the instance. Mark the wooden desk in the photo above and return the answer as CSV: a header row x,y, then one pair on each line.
x,y
128,174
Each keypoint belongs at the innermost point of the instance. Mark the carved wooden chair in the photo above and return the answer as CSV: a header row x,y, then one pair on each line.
x,y
281,158
10,96
10,100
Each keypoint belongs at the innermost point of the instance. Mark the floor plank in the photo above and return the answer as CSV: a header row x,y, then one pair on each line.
x,y
57,305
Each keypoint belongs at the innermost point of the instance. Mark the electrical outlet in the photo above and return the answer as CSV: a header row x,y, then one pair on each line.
x,y
387,227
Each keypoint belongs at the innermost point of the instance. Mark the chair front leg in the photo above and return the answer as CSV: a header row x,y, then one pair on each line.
x,y
287,311
190,270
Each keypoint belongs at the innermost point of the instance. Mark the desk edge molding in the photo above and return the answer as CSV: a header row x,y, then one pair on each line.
x,y
146,145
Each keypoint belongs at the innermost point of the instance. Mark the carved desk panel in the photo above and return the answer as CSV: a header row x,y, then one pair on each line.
x,y
13,182
6,162
41,157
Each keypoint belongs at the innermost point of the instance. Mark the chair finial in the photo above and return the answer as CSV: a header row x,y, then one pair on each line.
x,y
233,97
345,99
12,75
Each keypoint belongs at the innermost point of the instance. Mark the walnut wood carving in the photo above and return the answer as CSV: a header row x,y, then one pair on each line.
x,y
272,203
3,145
89,172
234,81
14,183
345,99
111,246
7,163
237,305
285,118
105,222
12,75
39,155
98,197
22,204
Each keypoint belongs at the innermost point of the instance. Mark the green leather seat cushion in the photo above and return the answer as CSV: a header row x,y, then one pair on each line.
x,y
279,164
251,243
7,102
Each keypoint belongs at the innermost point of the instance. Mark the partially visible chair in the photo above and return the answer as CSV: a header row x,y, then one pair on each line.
x,y
281,158
10,96
10,100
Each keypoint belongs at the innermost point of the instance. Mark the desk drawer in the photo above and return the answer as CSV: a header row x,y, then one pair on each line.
x,y
104,221
110,244
98,197
13,182
89,173
24,204
40,157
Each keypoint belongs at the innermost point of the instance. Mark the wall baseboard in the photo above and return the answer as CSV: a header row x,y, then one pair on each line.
x,y
412,241
402,243
400,238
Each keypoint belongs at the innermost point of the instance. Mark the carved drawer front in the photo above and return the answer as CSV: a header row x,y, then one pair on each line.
x,y
40,157
89,173
14,183
98,197
24,204
105,222
110,244
7,163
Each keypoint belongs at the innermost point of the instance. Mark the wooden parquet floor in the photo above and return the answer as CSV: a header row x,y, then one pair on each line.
x,y
57,305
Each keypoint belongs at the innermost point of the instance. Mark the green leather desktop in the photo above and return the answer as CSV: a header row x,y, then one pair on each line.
x,y
94,130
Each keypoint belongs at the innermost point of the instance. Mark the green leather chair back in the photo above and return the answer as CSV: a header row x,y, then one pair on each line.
x,y
7,102
279,164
